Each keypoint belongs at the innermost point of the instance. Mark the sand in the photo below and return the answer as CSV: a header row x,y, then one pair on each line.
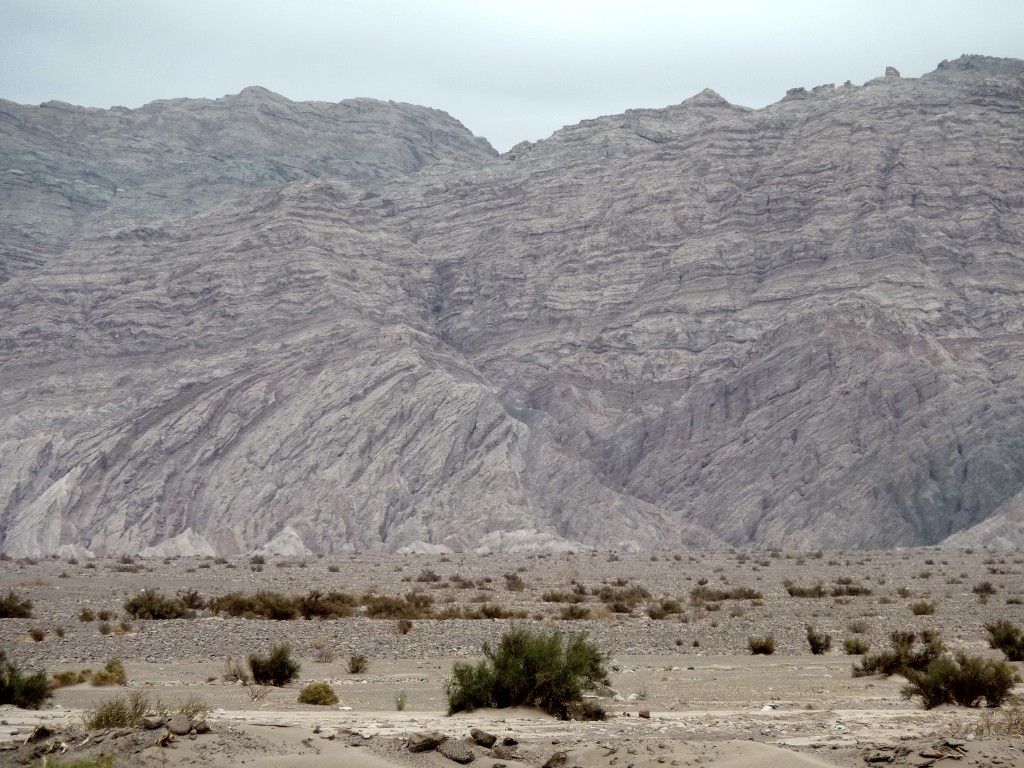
x,y
710,702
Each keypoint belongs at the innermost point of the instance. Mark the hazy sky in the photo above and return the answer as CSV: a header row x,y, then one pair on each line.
x,y
508,69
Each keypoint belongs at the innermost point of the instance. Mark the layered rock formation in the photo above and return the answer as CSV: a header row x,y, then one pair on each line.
x,y
699,326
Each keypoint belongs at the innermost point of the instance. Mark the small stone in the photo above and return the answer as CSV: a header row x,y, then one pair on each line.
x,y
644,713
483,738
201,726
503,752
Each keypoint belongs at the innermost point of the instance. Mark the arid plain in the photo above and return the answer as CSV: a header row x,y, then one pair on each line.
x,y
709,700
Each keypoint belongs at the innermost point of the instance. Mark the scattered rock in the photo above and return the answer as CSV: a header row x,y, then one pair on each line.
x,y
179,725
456,751
483,738
503,752
152,722
423,741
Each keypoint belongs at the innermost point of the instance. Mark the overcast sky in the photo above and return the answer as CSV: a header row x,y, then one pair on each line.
x,y
508,69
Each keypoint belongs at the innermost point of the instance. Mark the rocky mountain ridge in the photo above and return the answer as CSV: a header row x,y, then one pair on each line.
x,y
705,325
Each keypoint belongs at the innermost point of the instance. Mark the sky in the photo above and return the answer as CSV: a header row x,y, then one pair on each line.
x,y
509,70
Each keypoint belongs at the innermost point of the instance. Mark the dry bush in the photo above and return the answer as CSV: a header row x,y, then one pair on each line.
x,y
922,608
761,645
403,626
795,590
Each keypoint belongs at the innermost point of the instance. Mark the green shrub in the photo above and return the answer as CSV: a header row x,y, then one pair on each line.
x,y
1007,638
855,646
112,674
794,590
333,605
962,679
820,642
903,656
534,669
149,604
320,694
69,677
21,690
764,646
278,668
922,608
357,664
14,607
118,712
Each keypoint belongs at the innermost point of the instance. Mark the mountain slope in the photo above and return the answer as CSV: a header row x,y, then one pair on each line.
x,y
704,325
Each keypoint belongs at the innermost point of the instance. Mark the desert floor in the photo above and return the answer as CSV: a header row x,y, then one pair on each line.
x,y
710,702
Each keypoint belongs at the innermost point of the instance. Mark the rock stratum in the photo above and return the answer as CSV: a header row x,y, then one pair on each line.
x,y
254,324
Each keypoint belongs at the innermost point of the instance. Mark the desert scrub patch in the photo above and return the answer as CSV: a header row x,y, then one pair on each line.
x,y
795,590
763,645
12,606
820,642
320,694
922,608
574,612
855,646
705,594
357,664
904,654
118,712
1006,637
27,691
541,669
961,679
277,668
112,674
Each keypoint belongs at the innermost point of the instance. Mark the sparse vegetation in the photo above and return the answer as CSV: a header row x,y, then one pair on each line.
x,y
761,645
357,664
278,668
113,673
14,607
922,608
401,699
904,655
320,694
795,590
820,642
527,668
150,604
961,679
22,690
855,646
1008,638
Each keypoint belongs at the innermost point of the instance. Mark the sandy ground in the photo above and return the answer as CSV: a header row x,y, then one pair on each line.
x,y
710,702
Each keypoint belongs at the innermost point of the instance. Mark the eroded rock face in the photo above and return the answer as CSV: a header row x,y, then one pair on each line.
x,y
697,326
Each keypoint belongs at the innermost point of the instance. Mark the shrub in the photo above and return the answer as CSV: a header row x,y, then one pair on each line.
x,y
58,631
149,604
333,605
984,588
234,672
86,614
922,608
104,615
514,582
38,634
1007,638
850,590
854,646
962,679
357,664
278,668
14,607
320,694
401,699
112,674
403,626
764,646
69,677
118,712
105,628
574,612
534,669
903,656
794,590
705,594
21,690
820,642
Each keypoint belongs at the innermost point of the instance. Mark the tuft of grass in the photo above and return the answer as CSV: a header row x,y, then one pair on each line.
x,y
763,646
119,712
320,694
922,608
14,607
111,674
401,699
357,664
820,642
855,646
38,634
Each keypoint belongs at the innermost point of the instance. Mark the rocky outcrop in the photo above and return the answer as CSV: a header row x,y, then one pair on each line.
x,y
697,326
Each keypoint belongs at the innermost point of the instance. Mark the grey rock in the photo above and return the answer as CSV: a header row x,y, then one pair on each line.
x,y
503,752
456,751
423,741
703,325
483,738
557,760
201,727
179,725
152,722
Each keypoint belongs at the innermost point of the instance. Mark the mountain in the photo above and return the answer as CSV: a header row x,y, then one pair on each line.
x,y
703,325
